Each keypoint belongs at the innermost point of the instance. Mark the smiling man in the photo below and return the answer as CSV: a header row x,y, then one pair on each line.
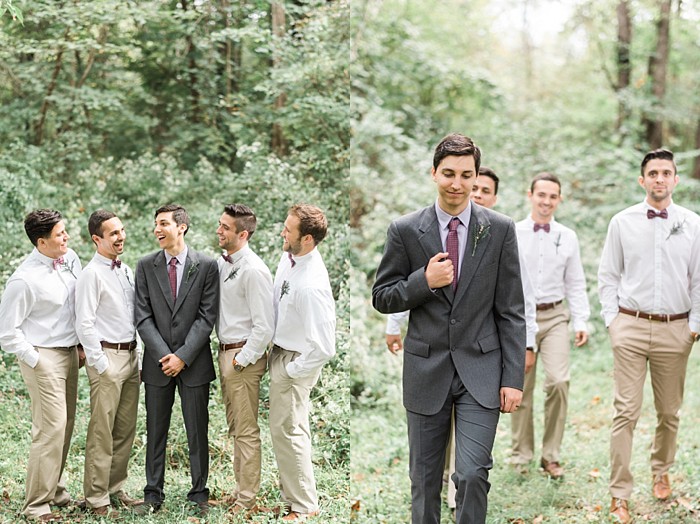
x,y
244,327
177,300
550,252
454,265
649,287
37,323
105,326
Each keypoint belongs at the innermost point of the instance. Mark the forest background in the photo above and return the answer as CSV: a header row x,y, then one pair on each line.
x,y
579,88
127,105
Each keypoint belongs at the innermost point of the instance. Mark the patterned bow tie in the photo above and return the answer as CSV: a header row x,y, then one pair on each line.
x,y
291,260
537,227
116,263
653,214
58,262
227,258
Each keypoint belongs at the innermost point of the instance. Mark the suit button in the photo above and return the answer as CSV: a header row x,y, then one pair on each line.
x,y
453,348
453,321
174,324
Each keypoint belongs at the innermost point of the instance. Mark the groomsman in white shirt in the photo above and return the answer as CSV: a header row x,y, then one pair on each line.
x,y
649,287
105,325
551,256
37,323
304,341
244,327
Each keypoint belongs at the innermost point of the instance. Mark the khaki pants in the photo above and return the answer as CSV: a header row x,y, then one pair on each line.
x,y
665,347
241,393
114,402
553,340
290,432
53,389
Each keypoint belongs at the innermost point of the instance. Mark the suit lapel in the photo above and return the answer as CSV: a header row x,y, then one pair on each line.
x,y
160,268
431,242
188,277
479,226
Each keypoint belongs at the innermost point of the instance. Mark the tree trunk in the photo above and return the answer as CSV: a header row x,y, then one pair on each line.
x,y
278,141
624,39
658,66
39,125
527,48
696,163
192,65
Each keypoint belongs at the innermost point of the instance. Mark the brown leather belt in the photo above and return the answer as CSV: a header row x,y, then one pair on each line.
x,y
652,316
64,348
228,347
127,346
550,305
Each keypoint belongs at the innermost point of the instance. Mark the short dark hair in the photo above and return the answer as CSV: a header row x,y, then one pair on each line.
x,y
243,217
96,219
544,175
180,215
455,144
39,224
663,154
487,171
312,221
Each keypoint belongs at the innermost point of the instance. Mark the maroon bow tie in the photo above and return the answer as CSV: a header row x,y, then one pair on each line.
x,y
227,258
653,214
58,262
116,263
291,260
537,227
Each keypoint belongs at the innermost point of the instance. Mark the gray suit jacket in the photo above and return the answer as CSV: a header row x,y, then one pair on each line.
x,y
480,331
181,327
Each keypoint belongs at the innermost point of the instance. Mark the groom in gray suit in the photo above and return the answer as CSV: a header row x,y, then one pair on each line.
x,y
177,297
455,266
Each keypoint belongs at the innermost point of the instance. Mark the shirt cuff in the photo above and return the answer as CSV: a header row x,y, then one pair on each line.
x,y
30,358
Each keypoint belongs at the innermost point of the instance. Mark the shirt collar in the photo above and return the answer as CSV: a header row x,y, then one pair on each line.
x,y
444,218
44,259
530,222
181,258
102,259
302,259
646,205
238,255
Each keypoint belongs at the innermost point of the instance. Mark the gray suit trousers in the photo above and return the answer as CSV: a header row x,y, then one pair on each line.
x,y
475,432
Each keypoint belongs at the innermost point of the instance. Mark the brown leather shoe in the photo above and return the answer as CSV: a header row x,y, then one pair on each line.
x,y
120,498
105,511
661,487
295,516
619,511
552,469
48,517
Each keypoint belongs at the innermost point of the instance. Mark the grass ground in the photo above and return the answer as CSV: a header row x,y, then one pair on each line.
x,y
15,427
379,464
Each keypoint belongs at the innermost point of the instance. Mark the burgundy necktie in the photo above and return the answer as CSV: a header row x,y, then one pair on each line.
x,y
58,262
537,227
116,263
172,276
291,259
453,248
653,214
227,258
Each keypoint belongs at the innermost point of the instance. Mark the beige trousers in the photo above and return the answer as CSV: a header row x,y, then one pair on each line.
x,y
53,390
553,340
114,403
290,432
241,393
665,347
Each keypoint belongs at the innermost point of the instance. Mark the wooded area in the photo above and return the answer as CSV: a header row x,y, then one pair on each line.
x,y
128,105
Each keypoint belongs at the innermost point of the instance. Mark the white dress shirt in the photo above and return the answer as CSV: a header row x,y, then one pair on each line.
x,y
394,321
553,263
38,306
104,309
651,265
304,312
245,305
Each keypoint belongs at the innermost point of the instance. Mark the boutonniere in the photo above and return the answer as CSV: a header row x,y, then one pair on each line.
x,y
128,278
69,267
285,289
480,231
232,274
557,242
676,229
192,269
